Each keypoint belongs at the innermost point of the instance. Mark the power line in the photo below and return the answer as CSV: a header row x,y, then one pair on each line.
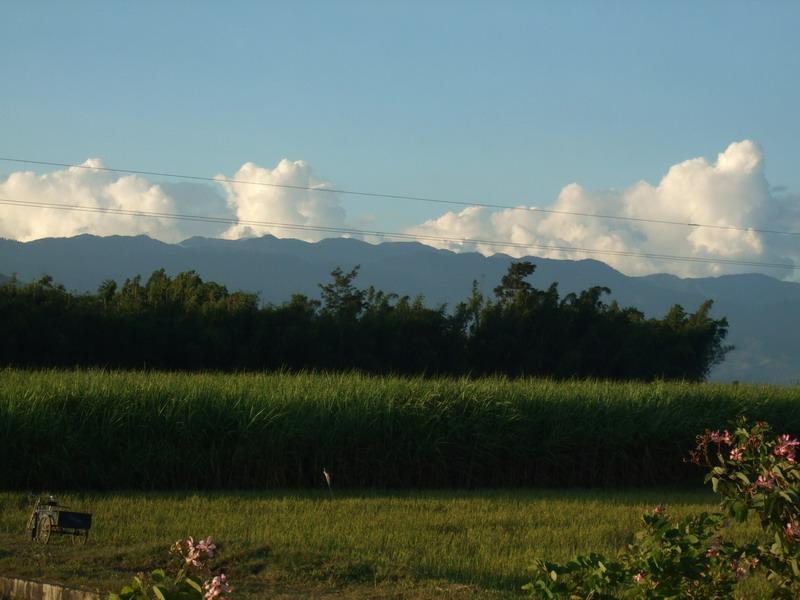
x,y
387,234
401,197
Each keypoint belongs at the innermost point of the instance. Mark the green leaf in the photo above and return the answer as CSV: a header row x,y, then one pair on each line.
x,y
159,593
196,584
158,575
795,567
739,510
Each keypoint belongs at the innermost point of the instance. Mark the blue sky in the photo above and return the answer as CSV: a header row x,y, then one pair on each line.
x,y
486,102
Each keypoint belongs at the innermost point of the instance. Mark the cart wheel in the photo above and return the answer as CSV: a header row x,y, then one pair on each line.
x,y
31,527
44,529
79,537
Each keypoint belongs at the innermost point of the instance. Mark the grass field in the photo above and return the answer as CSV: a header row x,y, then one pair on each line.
x,y
392,529
355,545
143,430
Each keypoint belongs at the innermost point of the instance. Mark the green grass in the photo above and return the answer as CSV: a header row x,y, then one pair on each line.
x,y
273,433
142,430
356,545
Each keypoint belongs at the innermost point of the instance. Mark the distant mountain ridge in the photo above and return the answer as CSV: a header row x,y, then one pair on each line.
x,y
761,310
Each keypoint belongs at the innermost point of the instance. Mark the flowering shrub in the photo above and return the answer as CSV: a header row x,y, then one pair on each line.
x,y
189,582
753,472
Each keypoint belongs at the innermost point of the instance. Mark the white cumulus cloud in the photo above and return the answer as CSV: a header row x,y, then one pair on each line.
x,y
264,202
256,203
83,187
730,193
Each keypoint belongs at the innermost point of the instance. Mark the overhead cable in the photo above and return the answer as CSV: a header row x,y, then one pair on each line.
x,y
331,190
387,234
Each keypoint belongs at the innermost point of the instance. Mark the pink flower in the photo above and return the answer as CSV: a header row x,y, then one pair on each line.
x,y
787,447
766,482
638,578
739,569
712,552
207,546
721,438
192,557
736,454
192,553
792,530
659,510
216,587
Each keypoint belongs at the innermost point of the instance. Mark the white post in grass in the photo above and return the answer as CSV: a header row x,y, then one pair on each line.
x,y
327,477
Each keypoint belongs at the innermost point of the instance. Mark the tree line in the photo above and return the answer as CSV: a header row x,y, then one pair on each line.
x,y
185,323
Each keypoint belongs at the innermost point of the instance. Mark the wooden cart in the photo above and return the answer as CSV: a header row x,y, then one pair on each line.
x,y
48,517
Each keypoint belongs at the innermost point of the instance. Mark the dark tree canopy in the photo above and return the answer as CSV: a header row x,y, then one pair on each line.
x,y
183,322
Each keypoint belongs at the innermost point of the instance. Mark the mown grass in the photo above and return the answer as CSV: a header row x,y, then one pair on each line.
x,y
144,430
355,545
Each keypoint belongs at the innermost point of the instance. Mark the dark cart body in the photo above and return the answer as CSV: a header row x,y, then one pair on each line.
x,y
48,518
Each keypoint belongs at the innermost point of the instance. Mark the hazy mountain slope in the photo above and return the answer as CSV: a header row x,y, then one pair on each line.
x,y
761,310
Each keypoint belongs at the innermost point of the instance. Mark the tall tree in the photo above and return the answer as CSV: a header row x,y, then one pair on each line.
x,y
341,297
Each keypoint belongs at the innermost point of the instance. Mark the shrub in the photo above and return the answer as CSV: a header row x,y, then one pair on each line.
x,y
753,472
187,584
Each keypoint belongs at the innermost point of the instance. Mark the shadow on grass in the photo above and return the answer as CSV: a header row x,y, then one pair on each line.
x,y
619,495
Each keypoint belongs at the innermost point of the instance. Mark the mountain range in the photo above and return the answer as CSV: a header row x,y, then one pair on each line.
x,y
761,310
